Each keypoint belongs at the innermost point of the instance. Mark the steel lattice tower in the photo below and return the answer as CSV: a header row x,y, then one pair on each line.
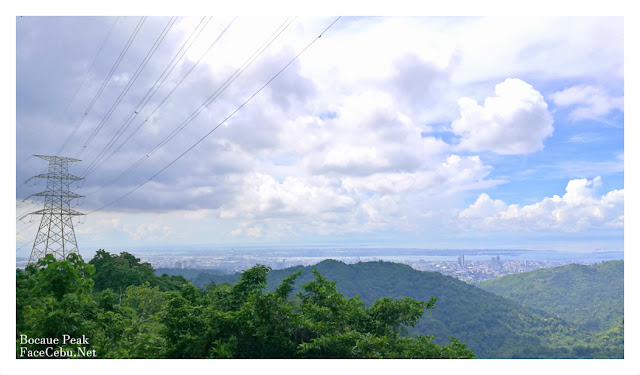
x,y
56,235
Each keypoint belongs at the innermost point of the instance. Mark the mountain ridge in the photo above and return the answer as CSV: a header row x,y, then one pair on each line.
x,y
590,296
491,325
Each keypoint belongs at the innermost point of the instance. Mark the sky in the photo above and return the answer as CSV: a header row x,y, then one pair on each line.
x,y
430,132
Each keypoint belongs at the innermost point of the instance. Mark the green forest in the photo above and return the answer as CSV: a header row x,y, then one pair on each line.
x,y
591,297
123,308
491,325
116,307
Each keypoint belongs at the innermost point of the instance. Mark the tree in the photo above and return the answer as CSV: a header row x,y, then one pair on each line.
x,y
54,298
140,320
241,321
337,328
131,329
117,272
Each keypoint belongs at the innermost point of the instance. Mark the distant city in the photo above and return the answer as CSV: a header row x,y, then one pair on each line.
x,y
471,266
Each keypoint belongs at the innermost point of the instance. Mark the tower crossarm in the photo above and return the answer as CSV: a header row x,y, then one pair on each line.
x,y
57,159
57,211
63,194
59,176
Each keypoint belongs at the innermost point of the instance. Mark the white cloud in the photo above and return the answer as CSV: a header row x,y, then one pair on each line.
x,y
244,229
584,138
155,230
200,190
348,157
454,174
483,207
589,102
261,196
578,209
346,139
196,215
335,203
367,133
582,168
551,48
515,121
369,49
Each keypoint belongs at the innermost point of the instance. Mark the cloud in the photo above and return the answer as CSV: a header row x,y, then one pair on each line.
x,y
261,196
515,121
369,134
588,102
590,168
353,137
585,138
483,207
151,231
454,174
579,209
575,169
336,203
366,133
549,48
244,229
344,157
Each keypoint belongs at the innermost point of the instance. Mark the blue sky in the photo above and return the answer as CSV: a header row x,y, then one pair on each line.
x,y
424,132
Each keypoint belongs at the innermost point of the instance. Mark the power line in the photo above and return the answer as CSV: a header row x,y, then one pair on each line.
x,y
133,79
248,62
21,215
25,228
223,121
104,83
171,92
104,42
21,247
99,160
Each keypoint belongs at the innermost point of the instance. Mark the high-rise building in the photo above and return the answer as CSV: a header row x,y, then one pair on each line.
x,y
461,260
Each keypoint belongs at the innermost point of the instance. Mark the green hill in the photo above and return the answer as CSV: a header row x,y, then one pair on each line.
x,y
130,316
200,277
591,297
132,313
492,326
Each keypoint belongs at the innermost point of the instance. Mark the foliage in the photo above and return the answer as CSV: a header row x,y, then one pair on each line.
x,y
54,298
346,328
117,272
241,321
490,325
607,344
333,310
591,297
133,317
200,277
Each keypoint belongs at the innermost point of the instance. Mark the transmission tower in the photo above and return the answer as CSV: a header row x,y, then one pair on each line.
x,y
55,235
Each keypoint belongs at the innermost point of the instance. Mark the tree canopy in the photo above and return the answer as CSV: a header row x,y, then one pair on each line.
x,y
125,311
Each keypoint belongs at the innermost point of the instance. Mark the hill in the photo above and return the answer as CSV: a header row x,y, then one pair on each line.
x,y
591,297
492,326
130,317
132,313
200,277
